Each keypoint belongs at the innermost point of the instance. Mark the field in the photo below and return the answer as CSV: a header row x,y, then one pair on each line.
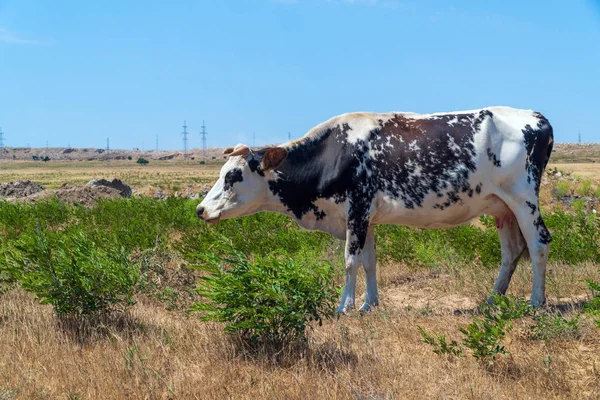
x,y
435,280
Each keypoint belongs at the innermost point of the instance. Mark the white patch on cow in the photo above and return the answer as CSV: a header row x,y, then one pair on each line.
x,y
453,121
452,145
413,146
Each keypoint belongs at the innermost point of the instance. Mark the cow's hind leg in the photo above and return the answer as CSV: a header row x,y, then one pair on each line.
x,y
513,245
356,238
370,265
527,211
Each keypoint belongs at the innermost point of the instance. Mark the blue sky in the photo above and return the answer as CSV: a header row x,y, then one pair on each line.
x,y
79,71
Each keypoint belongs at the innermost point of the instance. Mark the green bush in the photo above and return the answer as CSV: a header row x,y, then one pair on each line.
x,y
484,336
593,306
142,161
71,272
266,300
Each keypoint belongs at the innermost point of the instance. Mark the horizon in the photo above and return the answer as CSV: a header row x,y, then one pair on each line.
x,y
77,73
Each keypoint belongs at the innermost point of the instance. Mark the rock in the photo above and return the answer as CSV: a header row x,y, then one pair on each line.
x,y
124,189
67,150
557,174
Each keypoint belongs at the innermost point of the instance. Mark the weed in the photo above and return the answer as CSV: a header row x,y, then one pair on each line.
x,y
440,344
553,326
585,188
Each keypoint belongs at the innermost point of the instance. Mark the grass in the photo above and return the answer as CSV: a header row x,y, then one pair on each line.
x,y
429,279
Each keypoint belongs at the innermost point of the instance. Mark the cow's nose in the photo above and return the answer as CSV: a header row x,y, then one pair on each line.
x,y
200,212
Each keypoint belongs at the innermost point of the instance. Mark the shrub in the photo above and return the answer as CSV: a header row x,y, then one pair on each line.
x,y
484,336
142,161
562,188
266,300
129,158
593,306
71,272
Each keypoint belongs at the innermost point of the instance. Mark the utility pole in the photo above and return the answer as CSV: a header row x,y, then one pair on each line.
x,y
185,140
579,137
107,150
156,142
47,149
289,137
203,133
253,139
1,144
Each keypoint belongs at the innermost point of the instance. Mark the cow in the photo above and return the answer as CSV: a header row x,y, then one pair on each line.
x,y
438,170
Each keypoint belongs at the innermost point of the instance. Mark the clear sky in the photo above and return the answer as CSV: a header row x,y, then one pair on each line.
x,y
79,71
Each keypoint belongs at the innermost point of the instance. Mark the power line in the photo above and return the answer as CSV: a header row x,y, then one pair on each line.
x,y
203,133
185,140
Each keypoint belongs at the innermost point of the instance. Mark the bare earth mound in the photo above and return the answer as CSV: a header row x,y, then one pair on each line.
x,y
19,189
84,195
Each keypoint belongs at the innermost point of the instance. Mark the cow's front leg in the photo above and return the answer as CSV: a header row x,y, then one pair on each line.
x,y
356,235
370,265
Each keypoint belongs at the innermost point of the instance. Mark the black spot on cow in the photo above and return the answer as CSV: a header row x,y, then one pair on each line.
x,y
493,158
539,142
478,188
545,237
231,177
254,164
301,183
532,206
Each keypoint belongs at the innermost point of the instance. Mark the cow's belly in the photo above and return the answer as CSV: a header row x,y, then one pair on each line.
x,y
393,211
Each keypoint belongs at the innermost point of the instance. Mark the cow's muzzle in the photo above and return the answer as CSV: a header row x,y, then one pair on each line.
x,y
201,213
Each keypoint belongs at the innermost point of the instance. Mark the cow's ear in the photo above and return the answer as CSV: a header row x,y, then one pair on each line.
x,y
240,151
228,150
272,158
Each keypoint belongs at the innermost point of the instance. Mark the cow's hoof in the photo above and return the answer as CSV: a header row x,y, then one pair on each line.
x,y
537,302
342,310
367,308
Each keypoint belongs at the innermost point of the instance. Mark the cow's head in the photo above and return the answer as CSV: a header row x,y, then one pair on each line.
x,y
242,187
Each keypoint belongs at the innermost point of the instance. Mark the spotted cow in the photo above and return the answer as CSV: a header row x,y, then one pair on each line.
x,y
439,170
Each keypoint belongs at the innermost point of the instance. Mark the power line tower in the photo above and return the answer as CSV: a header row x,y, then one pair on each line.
x,y
107,151
579,137
185,140
1,144
156,142
253,139
203,133
289,137
47,149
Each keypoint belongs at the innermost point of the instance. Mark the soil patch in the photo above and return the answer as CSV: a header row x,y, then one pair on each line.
x,y
19,189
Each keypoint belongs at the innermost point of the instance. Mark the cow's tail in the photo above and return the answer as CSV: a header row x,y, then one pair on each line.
x,y
546,137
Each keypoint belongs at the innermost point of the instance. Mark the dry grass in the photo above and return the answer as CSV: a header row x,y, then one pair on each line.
x,y
169,175
152,353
